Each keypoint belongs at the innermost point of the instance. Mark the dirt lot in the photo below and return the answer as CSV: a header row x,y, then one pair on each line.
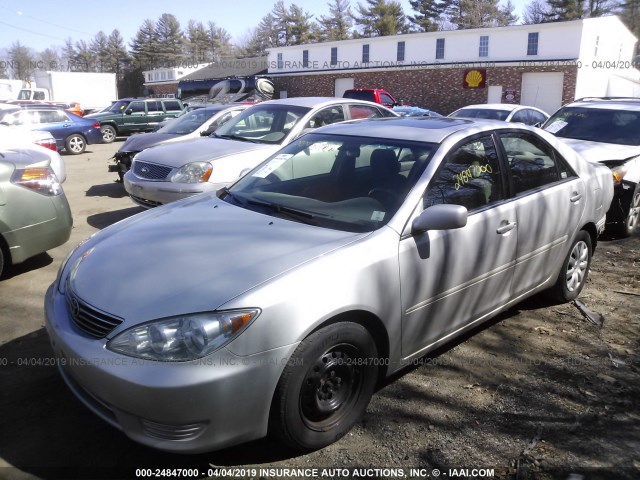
x,y
540,393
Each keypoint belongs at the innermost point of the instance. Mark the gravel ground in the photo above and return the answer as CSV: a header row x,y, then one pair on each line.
x,y
539,393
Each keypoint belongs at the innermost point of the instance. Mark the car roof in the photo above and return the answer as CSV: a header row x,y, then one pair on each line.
x,y
312,102
423,129
495,106
614,103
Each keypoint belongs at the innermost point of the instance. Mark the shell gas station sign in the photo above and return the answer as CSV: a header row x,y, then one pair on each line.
x,y
474,78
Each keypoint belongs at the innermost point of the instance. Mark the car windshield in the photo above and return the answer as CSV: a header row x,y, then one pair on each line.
x,y
348,183
266,123
487,113
188,122
119,106
605,125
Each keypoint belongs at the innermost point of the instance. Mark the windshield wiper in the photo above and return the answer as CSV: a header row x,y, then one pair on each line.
x,y
300,215
235,137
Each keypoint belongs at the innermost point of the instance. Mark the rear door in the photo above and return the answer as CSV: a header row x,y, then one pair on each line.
x,y
550,201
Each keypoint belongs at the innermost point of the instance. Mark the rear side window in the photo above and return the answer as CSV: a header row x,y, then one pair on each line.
x,y
364,111
469,176
172,106
532,163
154,106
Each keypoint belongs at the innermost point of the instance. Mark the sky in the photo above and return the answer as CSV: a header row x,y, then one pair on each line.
x,y
41,24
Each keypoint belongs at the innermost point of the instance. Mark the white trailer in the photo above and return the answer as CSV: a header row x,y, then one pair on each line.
x,y
90,90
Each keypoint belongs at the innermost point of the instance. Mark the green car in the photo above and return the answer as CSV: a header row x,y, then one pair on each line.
x,y
34,213
133,115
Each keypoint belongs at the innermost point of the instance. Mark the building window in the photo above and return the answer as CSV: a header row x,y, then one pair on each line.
x,y
305,58
439,48
595,53
484,46
365,53
280,62
170,75
334,55
163,75
532,44
400,52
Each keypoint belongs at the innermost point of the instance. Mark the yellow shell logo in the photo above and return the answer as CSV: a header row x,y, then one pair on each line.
x,y
473,78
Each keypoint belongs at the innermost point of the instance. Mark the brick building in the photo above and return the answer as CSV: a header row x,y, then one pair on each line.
x,y
543,65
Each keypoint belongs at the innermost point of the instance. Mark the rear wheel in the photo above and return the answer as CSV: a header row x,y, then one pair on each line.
x,y
75,144
575,269
326,386
108,133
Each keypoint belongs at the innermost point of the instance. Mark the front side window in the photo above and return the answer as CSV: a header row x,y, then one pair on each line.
x,y
532,44
263,123
487,113
532,163
484,46
469,176
326,116
333,181
439,48
188,122
136,107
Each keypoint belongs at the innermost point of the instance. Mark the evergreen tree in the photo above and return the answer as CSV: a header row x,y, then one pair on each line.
x,y
600,8
144,46
50,59
381,18
630,15
219,42
99,47
68,54
84,59
507,14
562,10
22,61
299,26
338,25
197,45
466,14
429,13
170,40
118,55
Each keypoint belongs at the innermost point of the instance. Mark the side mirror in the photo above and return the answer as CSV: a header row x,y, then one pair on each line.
x,y
127,112
440,217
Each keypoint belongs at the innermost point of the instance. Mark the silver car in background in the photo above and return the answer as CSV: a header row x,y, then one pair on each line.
x,y
277,305
171,172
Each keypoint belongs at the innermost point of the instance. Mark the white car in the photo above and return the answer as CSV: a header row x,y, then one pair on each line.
x,y
166,173
607,130
39,140
507,112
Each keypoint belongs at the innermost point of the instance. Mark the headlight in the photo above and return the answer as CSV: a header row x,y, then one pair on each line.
x,y
41,180
184,338
618,174
195,172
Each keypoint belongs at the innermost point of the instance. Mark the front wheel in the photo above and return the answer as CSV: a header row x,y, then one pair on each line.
x,y
108,133
75,144
325,387
575,269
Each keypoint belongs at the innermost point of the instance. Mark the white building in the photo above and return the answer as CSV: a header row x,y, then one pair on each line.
x,y
543,65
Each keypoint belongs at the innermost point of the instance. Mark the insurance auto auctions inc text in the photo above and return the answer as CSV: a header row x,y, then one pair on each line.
x,y
335,473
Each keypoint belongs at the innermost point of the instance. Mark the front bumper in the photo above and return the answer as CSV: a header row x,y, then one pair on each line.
x,y
147,193
189,407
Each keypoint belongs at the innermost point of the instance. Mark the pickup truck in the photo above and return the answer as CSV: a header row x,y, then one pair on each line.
x,y
376,95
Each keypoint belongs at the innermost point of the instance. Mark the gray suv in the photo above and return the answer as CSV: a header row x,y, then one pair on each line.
x,y
133,115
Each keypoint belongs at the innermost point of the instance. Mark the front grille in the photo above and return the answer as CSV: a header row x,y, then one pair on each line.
x,y
172,432
144,202
90,320
150,171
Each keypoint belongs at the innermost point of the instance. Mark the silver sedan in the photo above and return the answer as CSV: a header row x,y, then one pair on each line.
x,y
171,172
276,305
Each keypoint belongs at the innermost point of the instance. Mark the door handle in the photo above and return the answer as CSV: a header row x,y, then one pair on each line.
x,y
575,196
506,227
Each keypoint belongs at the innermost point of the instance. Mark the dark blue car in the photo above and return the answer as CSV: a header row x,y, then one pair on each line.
x,y
72,133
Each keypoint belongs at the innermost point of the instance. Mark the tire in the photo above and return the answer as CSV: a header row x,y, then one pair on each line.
x,y
575,269
325,387
108,133
75,144
630,222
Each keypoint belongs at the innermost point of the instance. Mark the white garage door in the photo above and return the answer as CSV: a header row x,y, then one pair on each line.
x,y
542,90
343,84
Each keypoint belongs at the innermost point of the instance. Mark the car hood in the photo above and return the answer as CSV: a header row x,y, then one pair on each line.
x,y
191,256
198,150
596,152
137,143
